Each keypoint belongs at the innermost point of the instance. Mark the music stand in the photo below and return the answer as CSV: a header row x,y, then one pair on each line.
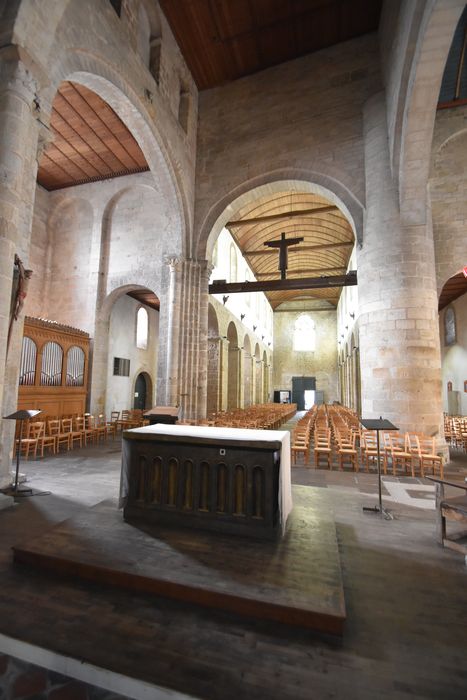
x,y
21,415
378,424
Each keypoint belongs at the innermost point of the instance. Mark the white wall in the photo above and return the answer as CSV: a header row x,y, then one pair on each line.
x,y
454,357
122,343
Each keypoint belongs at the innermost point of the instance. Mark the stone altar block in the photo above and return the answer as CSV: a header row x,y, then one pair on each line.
x,y
225,479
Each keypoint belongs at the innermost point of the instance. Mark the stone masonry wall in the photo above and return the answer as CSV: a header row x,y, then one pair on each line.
x,y
303,116
321,364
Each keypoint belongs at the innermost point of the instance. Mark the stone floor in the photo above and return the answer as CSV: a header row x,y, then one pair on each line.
x,y
406,602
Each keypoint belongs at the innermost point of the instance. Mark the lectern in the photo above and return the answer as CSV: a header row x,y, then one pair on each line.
x,y
378,424
21,415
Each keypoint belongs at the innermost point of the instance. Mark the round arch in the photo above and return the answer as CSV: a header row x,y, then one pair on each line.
x,y
101,345
270,183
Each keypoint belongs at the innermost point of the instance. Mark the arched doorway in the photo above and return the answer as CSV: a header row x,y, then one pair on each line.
x,y
143,391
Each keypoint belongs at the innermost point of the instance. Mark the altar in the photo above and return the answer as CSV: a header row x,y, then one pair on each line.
x,y
225,479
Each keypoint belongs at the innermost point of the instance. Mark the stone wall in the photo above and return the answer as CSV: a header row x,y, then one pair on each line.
x,y
321,364
302,117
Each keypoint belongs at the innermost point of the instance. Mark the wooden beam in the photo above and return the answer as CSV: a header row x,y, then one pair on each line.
x,y
285,215
222,287
299,249
329,270
310,310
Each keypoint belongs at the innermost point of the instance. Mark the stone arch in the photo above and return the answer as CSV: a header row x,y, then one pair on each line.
x,y
100,75
258,375
233,367
447,186
214,379
149,386
276,181
418,105
247,360
265,377
101,344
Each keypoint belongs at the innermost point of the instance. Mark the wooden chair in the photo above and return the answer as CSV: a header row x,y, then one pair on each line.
x,y
47,440
346,450
112,424
454,509
369,448
428,457
75,435
31,441
54,428
87,433
400,454
300,445
100,426
322,447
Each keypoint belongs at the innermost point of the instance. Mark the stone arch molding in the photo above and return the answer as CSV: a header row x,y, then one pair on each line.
x,y
99,75
295,180
436,30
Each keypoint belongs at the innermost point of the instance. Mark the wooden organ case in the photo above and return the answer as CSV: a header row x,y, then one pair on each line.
x,y
54,368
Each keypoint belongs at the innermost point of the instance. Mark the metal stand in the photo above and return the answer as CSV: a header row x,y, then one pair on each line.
x,y
378,425
21,416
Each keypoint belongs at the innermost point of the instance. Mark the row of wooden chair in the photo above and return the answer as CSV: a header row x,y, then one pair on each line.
x,y
68,431
268,416
455,431
334,434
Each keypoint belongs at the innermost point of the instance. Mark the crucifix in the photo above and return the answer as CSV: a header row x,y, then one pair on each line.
x,y
283,244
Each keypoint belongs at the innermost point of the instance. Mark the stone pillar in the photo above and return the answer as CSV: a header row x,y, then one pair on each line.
x,y
224,374
241,377
398,316
185,359
18,169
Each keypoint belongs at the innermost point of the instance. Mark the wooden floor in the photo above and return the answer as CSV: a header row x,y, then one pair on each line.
x,y
295,580
406,602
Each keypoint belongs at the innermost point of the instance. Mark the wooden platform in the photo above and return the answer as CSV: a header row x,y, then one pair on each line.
x,y
296,581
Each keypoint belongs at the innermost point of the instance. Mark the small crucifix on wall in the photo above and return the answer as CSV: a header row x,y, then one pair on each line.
x,y
283,244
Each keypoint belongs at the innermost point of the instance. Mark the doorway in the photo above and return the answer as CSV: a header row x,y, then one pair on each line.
x,y
141,392
303,388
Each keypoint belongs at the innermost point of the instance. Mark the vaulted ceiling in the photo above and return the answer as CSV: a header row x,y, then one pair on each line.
x,y
327,243
90,142
222,40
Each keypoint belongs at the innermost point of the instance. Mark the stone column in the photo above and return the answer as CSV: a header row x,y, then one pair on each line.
x,y
185,359
398,316
18,169
223,373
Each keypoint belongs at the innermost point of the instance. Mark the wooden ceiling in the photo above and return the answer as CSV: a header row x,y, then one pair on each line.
x,y
325,250
453,289
222,40
90,141
146,297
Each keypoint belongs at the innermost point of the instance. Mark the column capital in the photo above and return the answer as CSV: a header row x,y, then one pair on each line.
x,y
18,75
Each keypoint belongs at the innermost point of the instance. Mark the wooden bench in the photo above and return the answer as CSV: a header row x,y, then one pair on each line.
x,y
451,509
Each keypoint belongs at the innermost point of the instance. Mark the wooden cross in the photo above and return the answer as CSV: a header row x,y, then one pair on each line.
x,y
283,244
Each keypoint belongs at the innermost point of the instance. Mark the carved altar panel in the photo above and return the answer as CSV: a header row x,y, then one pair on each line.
x,y
54,368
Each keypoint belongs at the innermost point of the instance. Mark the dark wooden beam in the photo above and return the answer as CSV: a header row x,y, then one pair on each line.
x,y
319,270
221,287
285,215
301,249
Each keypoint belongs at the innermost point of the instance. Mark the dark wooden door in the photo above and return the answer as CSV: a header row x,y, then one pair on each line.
x,y
299,385
140,392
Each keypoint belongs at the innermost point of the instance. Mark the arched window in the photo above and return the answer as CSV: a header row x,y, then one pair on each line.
x,y
233,263
142,328
52,361
304,338
75,366
27,371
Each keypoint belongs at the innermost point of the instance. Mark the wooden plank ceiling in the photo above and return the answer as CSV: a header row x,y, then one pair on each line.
x,y
454,288
90,141
222,40
146,297
325,250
